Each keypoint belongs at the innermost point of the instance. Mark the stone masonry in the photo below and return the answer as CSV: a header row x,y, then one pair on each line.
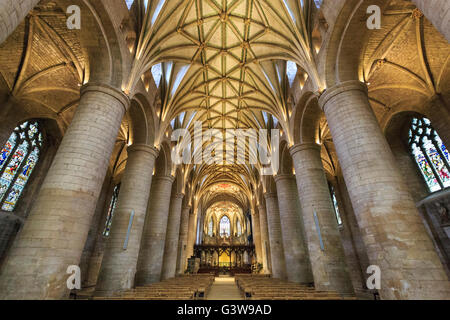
x,y
275,236
119,265
55,233
169,266
152,246
12,13
183,238
394,235
438,12
298,267
328,265
265,243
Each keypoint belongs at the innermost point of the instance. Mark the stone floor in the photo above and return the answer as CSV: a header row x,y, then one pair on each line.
x,y
224,288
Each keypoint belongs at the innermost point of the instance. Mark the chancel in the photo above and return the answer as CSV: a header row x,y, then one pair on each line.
x,y
227,245
225,149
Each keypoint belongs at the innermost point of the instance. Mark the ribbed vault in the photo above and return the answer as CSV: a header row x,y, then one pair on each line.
x,y
224,64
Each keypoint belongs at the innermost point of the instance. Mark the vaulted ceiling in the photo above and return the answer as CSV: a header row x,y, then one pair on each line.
x,y
224,64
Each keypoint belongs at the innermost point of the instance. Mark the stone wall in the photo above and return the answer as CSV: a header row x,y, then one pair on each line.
x,y
435,211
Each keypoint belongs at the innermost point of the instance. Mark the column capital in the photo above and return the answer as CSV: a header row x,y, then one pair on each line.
x,y
186,207
340,88
109,90
304,146
144,148
170,179
284,176
178,196
270,195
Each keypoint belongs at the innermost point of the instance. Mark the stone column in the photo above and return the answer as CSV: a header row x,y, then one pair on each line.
x,y
10,224
276,240
183,239
298,267
172,237
96,258
265,243
352,242
154,238
97,224
55,232
257,236
329,267
119,265
12,13
439,115
394,235
191,236
438,12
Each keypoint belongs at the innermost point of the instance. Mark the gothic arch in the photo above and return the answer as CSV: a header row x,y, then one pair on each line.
x,y
306,119
344,49
163,164
179,183
286,164
106,49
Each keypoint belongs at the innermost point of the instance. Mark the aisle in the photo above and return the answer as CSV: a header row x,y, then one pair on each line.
x,y
224,288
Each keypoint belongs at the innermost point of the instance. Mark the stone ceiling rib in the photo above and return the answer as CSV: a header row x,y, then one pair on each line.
x,y
234,52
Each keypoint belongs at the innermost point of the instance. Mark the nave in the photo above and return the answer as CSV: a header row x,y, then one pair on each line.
x,y
293,145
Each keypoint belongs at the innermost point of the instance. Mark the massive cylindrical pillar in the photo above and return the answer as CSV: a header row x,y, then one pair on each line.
x,y
183,239
298,267
192,228
438,12
55,232
265,243
154,237
172,237
275,236
12,13
257,236
119,260
394,235
328,263
97,224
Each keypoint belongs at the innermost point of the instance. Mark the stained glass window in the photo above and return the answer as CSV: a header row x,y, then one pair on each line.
x,y
224,227
111,209
430,154
210,227
238,228
335,205
18,158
